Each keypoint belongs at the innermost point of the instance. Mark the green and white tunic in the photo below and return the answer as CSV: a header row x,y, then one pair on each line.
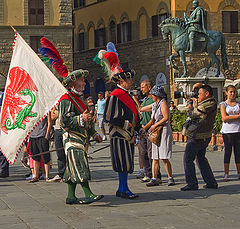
x,y
75,137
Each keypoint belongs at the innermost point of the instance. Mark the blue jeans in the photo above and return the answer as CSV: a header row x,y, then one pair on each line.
x,y
196,149
61,157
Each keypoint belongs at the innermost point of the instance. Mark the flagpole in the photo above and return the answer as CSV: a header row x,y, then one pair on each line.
x,y
15,31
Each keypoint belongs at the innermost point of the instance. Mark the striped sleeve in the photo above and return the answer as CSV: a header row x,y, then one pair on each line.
x,y
113,112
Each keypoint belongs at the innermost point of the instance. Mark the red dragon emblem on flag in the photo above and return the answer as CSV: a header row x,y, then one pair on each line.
x,y
17,109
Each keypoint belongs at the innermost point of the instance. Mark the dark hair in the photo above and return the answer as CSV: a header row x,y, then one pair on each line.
x,y
230,86
207,88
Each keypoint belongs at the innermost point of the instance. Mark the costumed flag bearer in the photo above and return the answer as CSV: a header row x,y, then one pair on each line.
x,y
122,115
76,122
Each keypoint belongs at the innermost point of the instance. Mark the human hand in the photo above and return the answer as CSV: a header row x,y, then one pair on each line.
x,y
197,85
98,138
129,125
86,116
152,128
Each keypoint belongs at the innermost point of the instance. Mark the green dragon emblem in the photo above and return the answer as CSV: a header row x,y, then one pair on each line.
x,y
23,114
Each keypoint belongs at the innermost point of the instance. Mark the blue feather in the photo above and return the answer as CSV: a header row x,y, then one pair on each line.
x,y
111,48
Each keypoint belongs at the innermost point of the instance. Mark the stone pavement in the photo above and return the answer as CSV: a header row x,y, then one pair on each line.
x,y
42,205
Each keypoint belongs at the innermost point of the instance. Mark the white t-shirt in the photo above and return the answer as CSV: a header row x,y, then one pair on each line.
x,y
232,126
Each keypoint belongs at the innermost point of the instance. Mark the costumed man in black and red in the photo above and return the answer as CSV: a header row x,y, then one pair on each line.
x,y
122,115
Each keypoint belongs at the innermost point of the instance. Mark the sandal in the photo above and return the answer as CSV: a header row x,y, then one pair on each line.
x,y
34,180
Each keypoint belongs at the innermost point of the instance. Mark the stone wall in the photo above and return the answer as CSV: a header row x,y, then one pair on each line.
x,y
65,12
146,57
60,36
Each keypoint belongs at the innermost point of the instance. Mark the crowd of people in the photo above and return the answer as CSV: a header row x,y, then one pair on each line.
x,y
129,119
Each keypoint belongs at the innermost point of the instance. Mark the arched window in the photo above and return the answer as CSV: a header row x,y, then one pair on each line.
x,y
36,12
124,31
156,20
142,27
112,28
100,36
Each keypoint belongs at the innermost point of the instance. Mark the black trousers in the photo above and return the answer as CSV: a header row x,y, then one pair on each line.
x,y
231,141
4,165
39,145
61,157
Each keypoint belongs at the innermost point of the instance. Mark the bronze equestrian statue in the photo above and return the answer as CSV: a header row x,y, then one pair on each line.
x,y
191,36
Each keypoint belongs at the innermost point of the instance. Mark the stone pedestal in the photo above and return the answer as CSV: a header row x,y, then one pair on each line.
x,y
186,84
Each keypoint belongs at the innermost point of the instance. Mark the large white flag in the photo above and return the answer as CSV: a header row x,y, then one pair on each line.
x,y
31,92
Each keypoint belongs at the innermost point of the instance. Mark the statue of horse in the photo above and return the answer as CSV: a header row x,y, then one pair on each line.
x,y
179,33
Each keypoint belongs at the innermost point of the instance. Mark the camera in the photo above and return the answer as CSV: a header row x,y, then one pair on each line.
x,y
191,94
134,92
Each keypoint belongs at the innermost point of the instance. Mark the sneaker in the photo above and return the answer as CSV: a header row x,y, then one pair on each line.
x,y
104,138
153,182
42,177
30,177
226,178
171,181
145,179
140,174
57,178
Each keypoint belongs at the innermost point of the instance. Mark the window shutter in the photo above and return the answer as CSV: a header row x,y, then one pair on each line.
x,y
225,22
81,41
119,39
104,36
75,3
154,25
96,38
129,27
234,22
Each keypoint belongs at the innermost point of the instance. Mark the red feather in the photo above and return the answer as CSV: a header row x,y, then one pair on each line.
x,y
57,61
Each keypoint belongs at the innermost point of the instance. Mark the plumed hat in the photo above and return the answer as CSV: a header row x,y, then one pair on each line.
x,y
109,61
128,74
51,55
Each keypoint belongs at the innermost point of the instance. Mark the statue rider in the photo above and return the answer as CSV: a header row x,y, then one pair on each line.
x,y
196,24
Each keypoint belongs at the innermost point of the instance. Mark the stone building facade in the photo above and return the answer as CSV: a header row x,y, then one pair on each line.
x,y
34,19
131,25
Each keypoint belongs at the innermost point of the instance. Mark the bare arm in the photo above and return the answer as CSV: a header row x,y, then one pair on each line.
x,y
54,114
148,125
49,126
165,113
226,117
137,102
147,108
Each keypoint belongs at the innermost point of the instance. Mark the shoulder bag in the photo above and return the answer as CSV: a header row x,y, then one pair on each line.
x,y
155,136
